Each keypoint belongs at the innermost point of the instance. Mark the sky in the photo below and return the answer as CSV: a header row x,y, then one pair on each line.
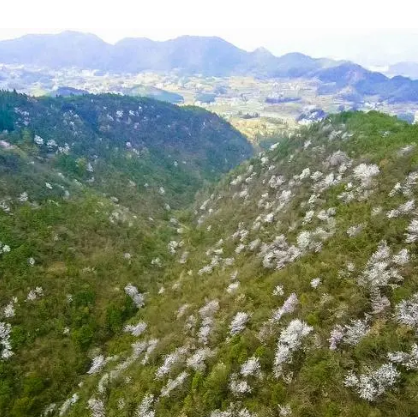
x,y
373,33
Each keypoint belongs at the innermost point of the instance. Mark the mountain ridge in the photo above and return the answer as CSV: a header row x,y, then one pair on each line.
x,y
160,53
207,56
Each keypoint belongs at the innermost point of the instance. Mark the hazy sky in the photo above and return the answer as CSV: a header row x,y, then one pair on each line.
x,y
367,31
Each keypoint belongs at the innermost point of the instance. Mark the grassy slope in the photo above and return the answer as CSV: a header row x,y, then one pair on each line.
x,y
313,381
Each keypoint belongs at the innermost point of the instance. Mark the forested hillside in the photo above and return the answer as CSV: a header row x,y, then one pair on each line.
x,y
292,292
87,191
287,288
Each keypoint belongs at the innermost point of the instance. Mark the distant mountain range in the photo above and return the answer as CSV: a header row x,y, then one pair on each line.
x,y
209,56
406,69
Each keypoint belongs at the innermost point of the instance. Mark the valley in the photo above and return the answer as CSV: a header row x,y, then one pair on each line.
x,y
284,287
190,229
87,209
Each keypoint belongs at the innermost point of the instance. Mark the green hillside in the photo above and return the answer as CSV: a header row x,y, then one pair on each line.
x,y
85,219
111,140
288,288
293,293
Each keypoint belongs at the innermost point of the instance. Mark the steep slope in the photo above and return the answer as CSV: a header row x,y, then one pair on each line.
x,y
110,139
293,293
85,221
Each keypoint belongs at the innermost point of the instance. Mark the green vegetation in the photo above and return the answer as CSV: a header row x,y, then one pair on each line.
x,y
119,144
311,380
83,213
287,288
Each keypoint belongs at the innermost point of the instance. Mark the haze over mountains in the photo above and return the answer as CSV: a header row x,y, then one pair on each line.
x,y
209,56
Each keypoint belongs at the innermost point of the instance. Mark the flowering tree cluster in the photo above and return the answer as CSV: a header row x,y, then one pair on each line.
x,y
289,341
170,361
136,296
5,329
374,383
350,334
145,408
238,323
97,408
206,313
137,329
173,384
288,307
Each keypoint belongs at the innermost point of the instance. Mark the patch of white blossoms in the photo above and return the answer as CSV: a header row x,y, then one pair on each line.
x,y
279,253
337,334
408,360
97,365
135,330
289,341
68,403
173,384
285,410
170,361
9,310
316,282
34,294
6,351
145,408
278,291
135,295
250,367
206,313
137,349
412,232
97,408
379,270
288,307
197,360
238,323
407,312
406,187
365,173
4,248
152,344
173,246
232,287
374,383
355,230
403,209
350,334
401,258
239,386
